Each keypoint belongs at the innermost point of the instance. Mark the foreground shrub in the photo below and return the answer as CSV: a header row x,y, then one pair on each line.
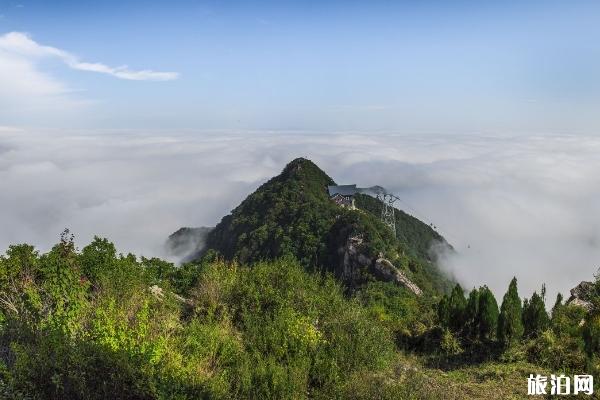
x,y
87,326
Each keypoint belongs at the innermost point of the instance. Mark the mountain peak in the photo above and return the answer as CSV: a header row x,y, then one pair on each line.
x,y
293,214
298,163
304,169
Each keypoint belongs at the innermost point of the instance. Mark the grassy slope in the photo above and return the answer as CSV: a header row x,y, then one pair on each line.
x,y
502,381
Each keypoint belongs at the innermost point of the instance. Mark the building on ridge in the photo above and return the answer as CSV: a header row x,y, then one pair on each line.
x,y
343,195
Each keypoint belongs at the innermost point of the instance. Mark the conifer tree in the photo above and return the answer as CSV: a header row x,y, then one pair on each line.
x,y
487,317
557,305
535,317
591,335
471,313
510,323
457,305
591,327
444,311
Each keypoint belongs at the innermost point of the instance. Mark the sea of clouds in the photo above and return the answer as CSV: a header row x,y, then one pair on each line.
x,y
524,205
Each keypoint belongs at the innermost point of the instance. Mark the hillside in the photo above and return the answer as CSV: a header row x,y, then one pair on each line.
x,y
289,214
292,214
414,235
95,324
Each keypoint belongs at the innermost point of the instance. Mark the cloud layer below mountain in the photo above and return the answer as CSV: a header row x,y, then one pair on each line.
x,y
524,206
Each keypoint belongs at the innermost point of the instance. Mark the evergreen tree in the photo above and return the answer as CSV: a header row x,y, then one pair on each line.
x,y
510,322
443,311
487,317
525,312
591,336
471,313
457,305
557,305
535,317
591,328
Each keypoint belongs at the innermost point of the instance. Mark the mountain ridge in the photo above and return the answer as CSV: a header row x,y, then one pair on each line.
x,y
292,214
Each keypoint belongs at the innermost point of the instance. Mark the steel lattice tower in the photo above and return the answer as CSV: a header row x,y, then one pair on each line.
x,y
387,211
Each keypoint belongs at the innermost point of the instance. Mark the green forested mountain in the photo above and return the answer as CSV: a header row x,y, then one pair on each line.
x,y
289,214
415,236
292,215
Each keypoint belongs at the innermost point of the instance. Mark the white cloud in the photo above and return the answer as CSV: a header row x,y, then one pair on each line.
x,y
26,93
521,206
21,44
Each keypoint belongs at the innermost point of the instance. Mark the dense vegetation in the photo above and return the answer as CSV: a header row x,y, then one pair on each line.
x,y
262,315
292,215
288,215
416,236
87,325
566,339
94,324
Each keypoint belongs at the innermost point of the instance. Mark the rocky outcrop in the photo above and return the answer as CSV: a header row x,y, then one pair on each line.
x,y
354,261
159,294
581,294
384,270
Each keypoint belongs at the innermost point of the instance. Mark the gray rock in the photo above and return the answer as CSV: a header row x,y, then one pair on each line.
x,y
354,261
386,271
580,295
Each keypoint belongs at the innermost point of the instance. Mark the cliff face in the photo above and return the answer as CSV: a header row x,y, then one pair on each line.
x,y
354,263
352,260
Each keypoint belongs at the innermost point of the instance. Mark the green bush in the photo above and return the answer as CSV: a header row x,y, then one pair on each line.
x,y
85,325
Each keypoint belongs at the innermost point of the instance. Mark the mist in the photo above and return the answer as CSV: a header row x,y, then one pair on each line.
x,y
522,205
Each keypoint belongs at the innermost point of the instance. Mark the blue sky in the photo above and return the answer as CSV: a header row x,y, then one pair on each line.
x,y
323,66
